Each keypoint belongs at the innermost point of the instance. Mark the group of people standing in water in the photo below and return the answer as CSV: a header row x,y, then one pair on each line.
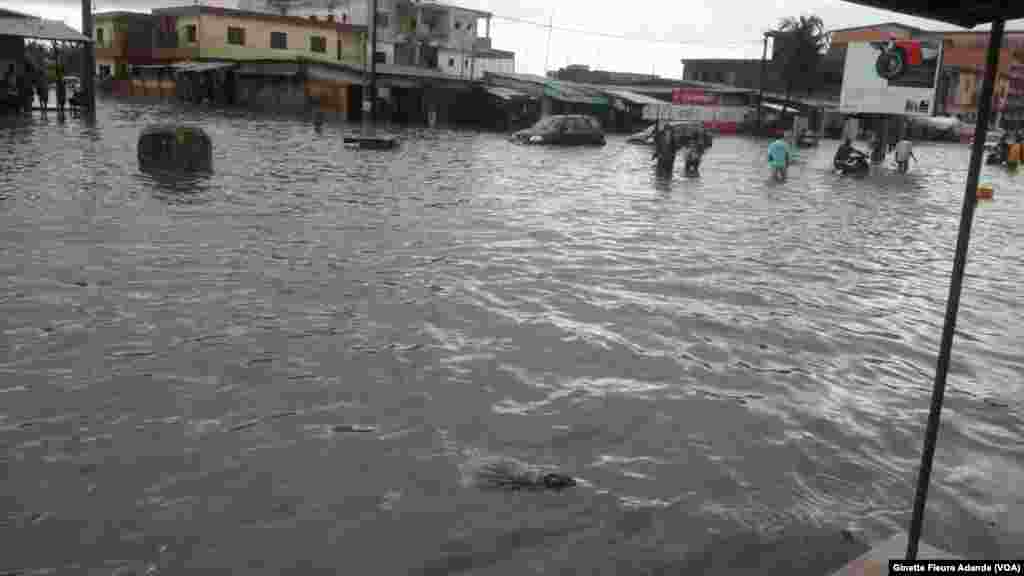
x,y
33,81
668,139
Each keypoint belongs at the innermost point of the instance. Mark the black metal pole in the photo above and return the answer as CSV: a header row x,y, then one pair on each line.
x,y
370,83
88,61
956,283
760,83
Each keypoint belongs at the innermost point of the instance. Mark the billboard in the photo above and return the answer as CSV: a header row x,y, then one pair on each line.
x,y
891,77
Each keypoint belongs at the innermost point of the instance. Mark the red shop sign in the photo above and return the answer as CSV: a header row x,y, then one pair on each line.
x,y
693,96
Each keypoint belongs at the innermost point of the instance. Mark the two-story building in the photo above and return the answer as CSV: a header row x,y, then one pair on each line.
x,y
200,52
211,33
122,40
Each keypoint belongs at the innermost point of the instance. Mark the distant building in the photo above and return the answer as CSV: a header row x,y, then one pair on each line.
x,y
582,73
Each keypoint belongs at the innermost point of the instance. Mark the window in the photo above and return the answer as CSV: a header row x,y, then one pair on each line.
x,y
451,62
458,25
318,44
279,40
339,48
104,70
382,20
380,57
99,36
190,33
236,36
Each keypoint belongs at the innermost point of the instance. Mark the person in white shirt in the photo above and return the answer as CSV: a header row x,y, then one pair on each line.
x,y
904,152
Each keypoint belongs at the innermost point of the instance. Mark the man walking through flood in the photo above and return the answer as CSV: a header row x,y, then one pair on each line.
x,y
42,91
62,91
778,159
666,145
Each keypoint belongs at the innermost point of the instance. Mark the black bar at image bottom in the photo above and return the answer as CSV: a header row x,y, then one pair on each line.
x,y
929,567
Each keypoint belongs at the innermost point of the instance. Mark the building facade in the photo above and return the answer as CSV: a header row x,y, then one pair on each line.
x,y
211,33
443,37
122,39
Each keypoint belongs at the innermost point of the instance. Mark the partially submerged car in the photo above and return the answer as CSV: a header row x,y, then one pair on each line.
x,y
563,130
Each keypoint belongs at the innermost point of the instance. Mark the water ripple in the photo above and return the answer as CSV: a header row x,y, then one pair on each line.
x,y
297,350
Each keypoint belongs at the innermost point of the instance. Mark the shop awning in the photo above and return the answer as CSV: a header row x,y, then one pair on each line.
x,y
40,29
968,13
284,69
508,93
202,66
566,92
334,73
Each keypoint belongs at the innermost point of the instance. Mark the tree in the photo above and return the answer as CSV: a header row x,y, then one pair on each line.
x,y
801,44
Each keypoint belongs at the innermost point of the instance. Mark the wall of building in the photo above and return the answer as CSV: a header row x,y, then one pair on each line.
x,y
462,27
12,52
387,48
506,65
455,62
212,35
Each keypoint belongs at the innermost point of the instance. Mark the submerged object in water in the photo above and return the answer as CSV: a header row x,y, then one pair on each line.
x,y
497,472
177,148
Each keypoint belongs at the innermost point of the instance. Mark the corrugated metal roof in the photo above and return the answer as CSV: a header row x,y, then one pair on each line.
x,y
557,89
40,29
634,97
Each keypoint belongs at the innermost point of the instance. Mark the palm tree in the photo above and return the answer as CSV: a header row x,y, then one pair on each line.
x,y
801,49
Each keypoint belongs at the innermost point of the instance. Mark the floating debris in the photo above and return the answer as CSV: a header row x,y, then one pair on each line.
x,y
352,428
509,473
244,425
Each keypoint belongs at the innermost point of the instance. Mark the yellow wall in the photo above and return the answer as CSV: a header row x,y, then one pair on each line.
x,y
107,25
182,24
213,38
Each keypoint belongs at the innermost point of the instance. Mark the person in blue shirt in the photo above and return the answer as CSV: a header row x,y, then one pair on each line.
x,y
778,159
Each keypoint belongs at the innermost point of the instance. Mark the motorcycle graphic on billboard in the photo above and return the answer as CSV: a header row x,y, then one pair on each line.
x,y
891,77
910,63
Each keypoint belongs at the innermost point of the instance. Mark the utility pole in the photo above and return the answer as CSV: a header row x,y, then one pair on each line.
x,y
88,61
760,82
547,53
370,92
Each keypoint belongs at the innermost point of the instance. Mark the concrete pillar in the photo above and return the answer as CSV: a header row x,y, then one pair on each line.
x,y
488,33
545,106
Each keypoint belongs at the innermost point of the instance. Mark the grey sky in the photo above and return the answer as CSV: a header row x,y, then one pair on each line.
x,y
722,28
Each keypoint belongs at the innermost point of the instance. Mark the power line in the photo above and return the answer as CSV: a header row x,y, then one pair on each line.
x,y
622,37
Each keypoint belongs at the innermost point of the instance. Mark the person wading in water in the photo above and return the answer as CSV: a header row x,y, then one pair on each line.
x,y
666,145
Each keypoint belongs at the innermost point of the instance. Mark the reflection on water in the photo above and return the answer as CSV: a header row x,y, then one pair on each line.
x,y
283,365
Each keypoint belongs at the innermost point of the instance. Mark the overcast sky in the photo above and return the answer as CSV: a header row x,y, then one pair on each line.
x,y
659,33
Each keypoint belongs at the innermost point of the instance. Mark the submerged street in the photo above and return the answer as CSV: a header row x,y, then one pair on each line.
x,y
287,365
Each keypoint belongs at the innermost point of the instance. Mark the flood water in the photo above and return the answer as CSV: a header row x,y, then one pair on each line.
x,y
286,367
